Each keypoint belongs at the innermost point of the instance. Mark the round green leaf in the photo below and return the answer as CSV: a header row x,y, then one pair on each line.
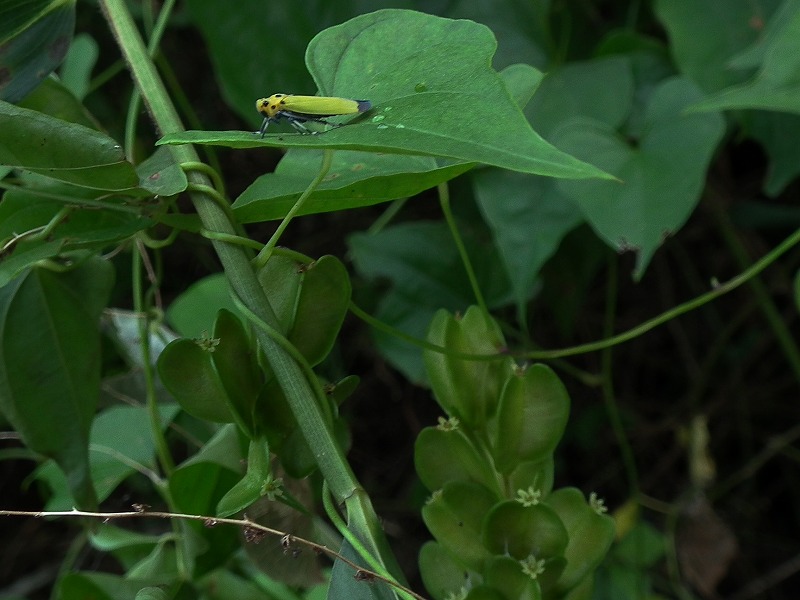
x,y
505,574
234,359
454,516
533,412
443,455
467,389
524,531
321,307
484,592
590,535
187,371
441,574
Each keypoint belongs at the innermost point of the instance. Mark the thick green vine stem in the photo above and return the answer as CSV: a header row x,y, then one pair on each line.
x,y
236,263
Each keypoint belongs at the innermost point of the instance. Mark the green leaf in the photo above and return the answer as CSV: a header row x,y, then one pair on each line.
x,y
601,89
442,576
344,584
50,373
523,531
776,86
422,263
198,485
252,486
25,212
188,372
232,37
62,150
442,455
531,418
777,133
355,179
705,34
97,586
454,516
662,178
485,592
466,388
53,98
529,217
590,535
422,104
310,301
505,574
321,308
121,444
161,175
76,73
234,359
151,593
34,36
193,313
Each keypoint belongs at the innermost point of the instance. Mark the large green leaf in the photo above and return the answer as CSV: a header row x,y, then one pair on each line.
x,y
66,151
50,363
34,37
433,91
661,178
358,179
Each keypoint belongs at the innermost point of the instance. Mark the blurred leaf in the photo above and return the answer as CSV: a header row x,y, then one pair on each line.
x,y
62,150
421,262
776,85
421,104
120,445
601,89
197,485
50,374
151,593
76,72
193,313
705,34
97,586
245,74
662,178
777,133
52,98
34,36
28,211
528,217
